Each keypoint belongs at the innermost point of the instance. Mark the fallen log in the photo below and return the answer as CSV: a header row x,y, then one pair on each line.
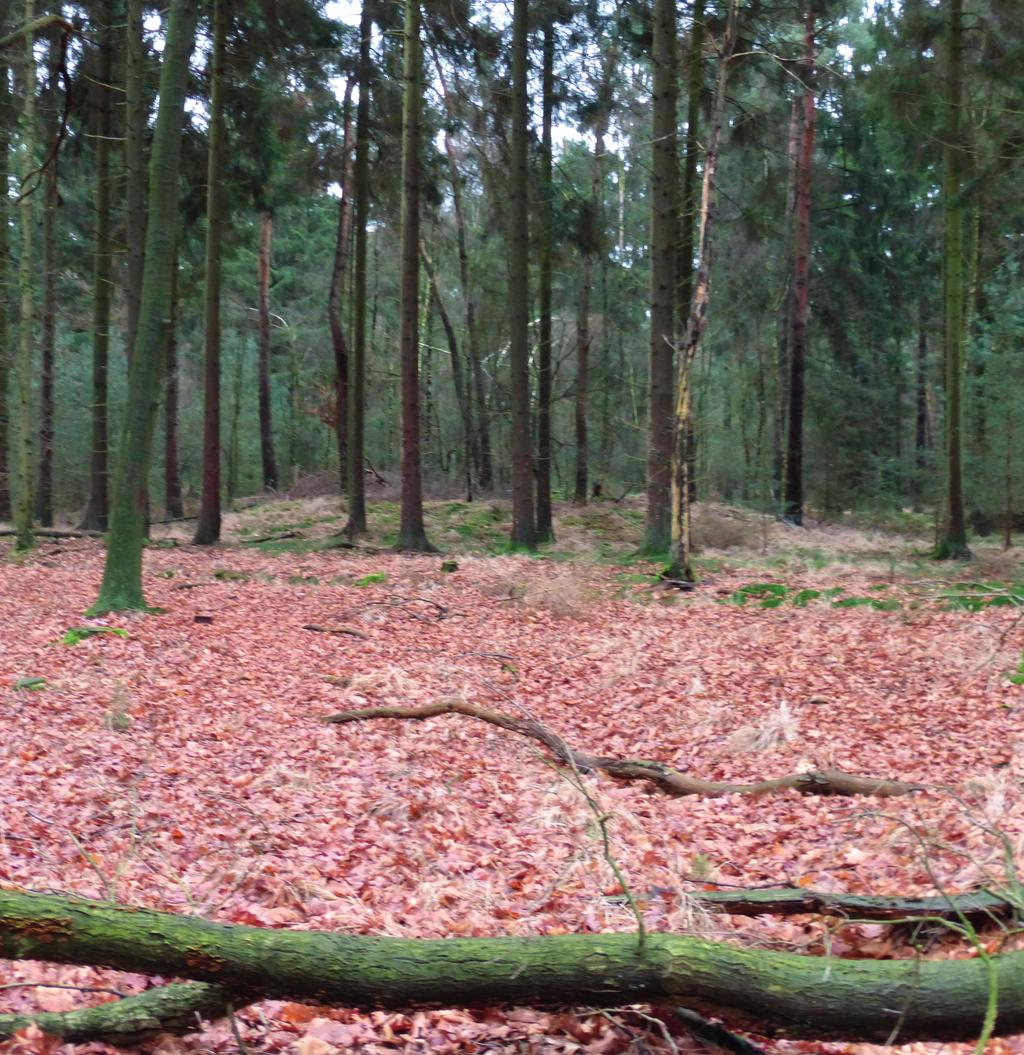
x,y
349,631
664,777
777,992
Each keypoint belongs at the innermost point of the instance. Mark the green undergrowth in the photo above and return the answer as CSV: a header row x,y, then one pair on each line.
x,y
960,596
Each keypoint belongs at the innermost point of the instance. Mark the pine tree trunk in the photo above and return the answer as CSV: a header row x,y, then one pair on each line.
x,y
25,449
524,524
793,491
411,532
922,441
267,458
664,228
97,511
122,575
173,506
135,120
680,564
582,393
209,523
545,378
6,120
339,342
51,200
356,525
953,539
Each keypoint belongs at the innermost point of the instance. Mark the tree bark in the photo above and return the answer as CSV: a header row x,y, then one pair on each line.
x,y
524,523
267,458
664,228
173,507
545,373
6,121
135,121
209,523
680,563
860,1000
339,342
356,437
953,540
48,344
412,535
793,490
122,574
25,448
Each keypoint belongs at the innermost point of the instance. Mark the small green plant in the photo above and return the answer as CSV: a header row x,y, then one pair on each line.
x,y
1017,677
29,684
303,580
449,566
80,633
227,575
768,594
374,578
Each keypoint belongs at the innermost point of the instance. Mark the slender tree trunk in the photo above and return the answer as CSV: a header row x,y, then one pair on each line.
x,y
173,506
122,575
51,200
339,342
26,292
209,523
97,511
688,206
582,392
545,516
952,543
922,440
793,492
356,525
664,228
6,120
266,419
524,524
135,121
680,566
411,533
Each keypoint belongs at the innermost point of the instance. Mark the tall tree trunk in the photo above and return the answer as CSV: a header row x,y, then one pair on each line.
x,y
545,515
356,437
6,120
26,292
51,201
664,230
582,388
208,525
793,491
680,566
135,121
524,524
688,206
411,533
339,342
267,458
173,506
97,511
922,439
952,543
122,574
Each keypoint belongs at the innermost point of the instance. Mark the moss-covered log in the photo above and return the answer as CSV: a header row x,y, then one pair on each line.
x,y
178,1008
780,992
664,777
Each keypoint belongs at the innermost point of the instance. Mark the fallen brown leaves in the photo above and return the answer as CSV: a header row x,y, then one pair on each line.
x,y
221,793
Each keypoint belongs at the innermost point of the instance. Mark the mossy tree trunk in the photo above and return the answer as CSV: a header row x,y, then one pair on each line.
x,y
356,438
788,993
6,118
663,242
173,505
208,526
135,120
268,459
122,575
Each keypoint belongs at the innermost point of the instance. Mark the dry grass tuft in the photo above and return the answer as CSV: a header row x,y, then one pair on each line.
x,y
779,728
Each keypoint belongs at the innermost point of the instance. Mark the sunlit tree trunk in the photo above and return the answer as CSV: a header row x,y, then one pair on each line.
x,y
411,532
122,575
793,490
209,523
356,525
545,518
524,524
664,228
48,344
25,449
952,543
97,511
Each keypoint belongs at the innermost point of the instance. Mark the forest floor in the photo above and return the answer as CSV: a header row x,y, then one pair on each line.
x,y
181,762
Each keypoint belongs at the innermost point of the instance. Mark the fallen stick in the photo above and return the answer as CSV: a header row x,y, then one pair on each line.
x,y
272,538
666,778
318,629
